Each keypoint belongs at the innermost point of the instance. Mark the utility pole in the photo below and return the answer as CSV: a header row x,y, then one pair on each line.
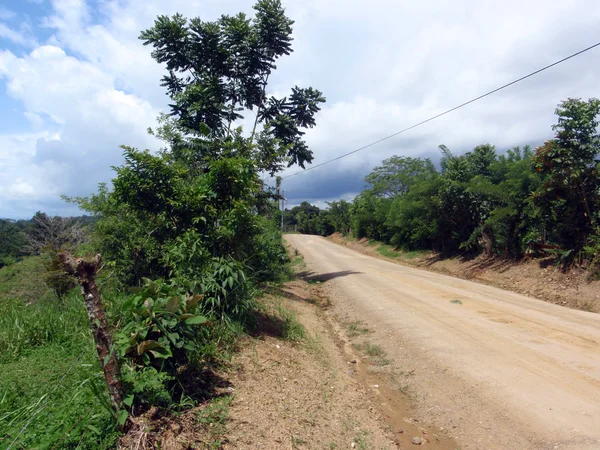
x,y
280,198
282,208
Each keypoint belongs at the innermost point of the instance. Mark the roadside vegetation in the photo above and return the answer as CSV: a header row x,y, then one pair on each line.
x,y
188,238
542,202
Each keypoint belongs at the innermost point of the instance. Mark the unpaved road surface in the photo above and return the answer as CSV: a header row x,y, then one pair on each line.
x,y
498,369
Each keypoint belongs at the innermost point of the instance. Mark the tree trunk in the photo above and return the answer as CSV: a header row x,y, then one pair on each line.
x,y
85,271
588,210
259,107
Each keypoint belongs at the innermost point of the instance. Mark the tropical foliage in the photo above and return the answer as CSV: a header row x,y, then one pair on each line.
x,y
188,234
501,203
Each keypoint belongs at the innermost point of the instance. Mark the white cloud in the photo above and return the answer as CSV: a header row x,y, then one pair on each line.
x,y
22,189
85,120
16,37
384,67
6,13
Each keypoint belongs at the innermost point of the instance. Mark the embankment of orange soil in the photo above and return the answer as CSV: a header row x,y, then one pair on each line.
x,y
537,278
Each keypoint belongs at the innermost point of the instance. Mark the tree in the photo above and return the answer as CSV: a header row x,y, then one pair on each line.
x,y
369,213
569,197
413,219
172,215
397,174
53,234
217,70
339,216
12,241
48,236
510,219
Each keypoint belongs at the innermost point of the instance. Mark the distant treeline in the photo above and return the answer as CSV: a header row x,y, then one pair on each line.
x,y
483,201
15,234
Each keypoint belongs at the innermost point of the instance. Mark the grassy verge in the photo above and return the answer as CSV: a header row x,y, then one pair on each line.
x,y
388,251
356,328
51,389
375,352
213,419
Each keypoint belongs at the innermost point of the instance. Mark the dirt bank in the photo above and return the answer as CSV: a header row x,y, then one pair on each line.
x,y
537,278
298,382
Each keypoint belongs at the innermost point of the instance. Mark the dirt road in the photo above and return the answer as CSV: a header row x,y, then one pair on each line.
x,y
498,369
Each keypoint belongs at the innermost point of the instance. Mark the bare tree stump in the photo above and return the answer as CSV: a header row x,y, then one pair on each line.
x,y
85,271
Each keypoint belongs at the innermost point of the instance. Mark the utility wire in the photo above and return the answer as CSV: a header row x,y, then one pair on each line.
x,y
446,112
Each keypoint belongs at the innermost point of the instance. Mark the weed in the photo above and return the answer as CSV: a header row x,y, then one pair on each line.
x,y
456,302
356,328
374,351
361,441
297,261
213,419
296,442
48,364
413,254
292,329
388,251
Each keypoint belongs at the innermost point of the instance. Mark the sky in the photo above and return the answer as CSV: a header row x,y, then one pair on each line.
x,y
76,83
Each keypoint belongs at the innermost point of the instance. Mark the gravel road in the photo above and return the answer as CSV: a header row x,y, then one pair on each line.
x,y
497,369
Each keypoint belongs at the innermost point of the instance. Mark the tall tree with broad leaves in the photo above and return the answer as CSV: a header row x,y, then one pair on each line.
x,y
219,70
570,195
397,174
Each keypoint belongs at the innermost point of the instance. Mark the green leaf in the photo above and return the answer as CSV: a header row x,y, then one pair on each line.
x,y
161,353
173,304
145,346
122,417
185,316
193,301
189,347
197,320
128,400
204,129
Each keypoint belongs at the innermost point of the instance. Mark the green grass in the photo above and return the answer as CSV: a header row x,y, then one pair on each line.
x,y
356,328
375,352
48,364
213,418
292,329
388,251
373,349
362,441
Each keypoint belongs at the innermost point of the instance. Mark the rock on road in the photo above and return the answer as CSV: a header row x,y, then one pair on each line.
x,y
501,370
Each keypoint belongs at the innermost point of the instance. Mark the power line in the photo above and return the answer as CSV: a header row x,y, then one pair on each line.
x,y
447,111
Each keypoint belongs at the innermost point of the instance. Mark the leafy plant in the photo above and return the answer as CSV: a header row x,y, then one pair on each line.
x,y
161,324
226,290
